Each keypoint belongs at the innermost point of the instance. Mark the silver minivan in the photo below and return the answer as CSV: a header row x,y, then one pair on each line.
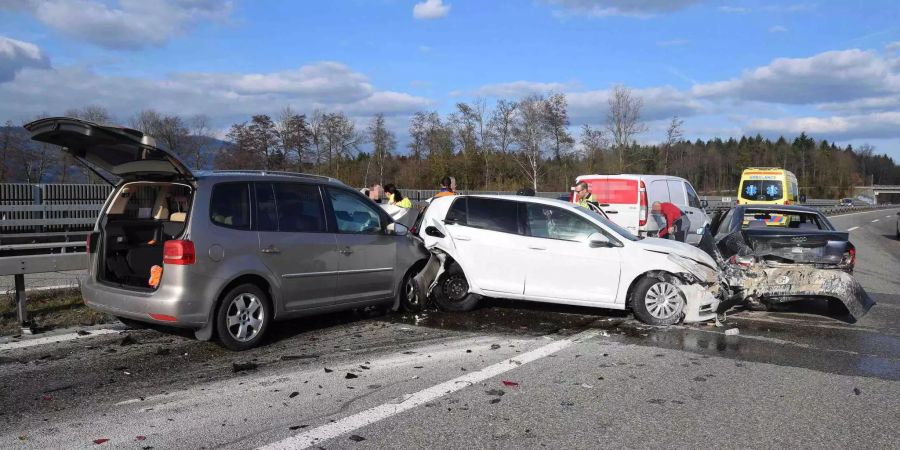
x,y
226,253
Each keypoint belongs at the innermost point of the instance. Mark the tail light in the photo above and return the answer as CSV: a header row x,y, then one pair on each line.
x,y
643,212
179,252
849,258
91,242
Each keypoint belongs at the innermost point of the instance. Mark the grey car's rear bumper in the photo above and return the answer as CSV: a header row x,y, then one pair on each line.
x,y
189,309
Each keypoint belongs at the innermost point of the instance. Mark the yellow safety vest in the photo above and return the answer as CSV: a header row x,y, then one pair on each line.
x,y
584,201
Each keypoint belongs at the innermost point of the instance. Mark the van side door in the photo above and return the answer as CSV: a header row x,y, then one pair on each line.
x,y
295,244
699,219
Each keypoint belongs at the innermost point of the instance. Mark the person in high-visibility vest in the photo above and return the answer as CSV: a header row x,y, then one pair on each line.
x,y
396,198
582,195
447,187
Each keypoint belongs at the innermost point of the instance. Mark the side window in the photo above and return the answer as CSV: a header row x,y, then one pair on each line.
x,y
266,212
693,198
492,214
555,223
299,208
457,213
353,213
676,192
658,192
230,205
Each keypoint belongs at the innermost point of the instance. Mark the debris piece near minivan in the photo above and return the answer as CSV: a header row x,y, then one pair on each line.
x,y
243,366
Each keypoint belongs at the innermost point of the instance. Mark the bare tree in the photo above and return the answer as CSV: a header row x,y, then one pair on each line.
x,y
341,140
673,135
623,121
530,132
200,136
593,145
295,136
557,122
383,143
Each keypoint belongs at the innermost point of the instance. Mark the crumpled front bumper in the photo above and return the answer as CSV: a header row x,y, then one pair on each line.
x,y
787,284
701,302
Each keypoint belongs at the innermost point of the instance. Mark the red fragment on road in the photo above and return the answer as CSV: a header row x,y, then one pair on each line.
x,y
140,438
510,383
101,441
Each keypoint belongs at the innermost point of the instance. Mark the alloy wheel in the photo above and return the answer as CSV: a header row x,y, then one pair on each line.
x,y
244,317
663,300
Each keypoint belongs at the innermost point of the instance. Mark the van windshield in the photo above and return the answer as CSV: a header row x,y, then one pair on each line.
x,y
762,190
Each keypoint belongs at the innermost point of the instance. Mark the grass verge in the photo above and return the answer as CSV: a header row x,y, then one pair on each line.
x,y
48,310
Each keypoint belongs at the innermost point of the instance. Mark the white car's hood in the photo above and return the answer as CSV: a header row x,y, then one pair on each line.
x,y
678,248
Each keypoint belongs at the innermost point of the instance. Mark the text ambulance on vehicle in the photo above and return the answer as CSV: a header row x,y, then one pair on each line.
x,y
767,186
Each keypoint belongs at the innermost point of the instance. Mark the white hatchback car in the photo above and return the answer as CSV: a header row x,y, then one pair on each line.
x,y
537,249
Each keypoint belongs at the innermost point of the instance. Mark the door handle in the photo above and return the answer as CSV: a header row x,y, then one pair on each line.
x,y
462,237
346,251
271,249
611,211
537,248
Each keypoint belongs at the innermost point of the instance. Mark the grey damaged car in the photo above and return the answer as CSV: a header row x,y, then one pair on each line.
x,y
773,254
226,253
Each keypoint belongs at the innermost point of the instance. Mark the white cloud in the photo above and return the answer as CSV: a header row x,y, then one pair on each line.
x,y
123,24
834,76
633,8
892,46
659,103
17,55
224,97
430,9
860,126
733,9
778,29
516,89
673,43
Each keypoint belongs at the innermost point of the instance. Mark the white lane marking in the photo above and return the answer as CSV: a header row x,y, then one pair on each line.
x,y
53,339
888,217
851,229
876,220
410,401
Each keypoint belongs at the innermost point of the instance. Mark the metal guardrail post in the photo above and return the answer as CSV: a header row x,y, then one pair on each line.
x,y
21,311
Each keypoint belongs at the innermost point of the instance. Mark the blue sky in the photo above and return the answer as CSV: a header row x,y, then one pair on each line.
x,y
831,68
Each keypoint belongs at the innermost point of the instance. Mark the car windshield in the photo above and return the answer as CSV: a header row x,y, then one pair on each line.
x,y
762,190
609,224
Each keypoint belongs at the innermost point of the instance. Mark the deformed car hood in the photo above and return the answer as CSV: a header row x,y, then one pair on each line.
x,y
678,248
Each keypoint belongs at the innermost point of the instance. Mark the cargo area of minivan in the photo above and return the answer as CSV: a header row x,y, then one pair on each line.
x,y
138,221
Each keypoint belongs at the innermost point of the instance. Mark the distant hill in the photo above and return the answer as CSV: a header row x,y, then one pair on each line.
x,y
210,149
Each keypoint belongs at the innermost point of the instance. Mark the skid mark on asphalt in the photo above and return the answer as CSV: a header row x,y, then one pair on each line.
x,y
410,401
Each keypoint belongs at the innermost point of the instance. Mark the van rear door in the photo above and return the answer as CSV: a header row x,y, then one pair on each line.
x,y
618,197
119,151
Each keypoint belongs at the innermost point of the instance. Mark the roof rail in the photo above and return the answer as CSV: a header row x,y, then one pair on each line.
x,y
276,172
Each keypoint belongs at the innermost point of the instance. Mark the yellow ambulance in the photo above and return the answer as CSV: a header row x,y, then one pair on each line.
x,y
767,186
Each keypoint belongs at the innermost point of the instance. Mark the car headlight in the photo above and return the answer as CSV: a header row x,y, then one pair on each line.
x,y
696,269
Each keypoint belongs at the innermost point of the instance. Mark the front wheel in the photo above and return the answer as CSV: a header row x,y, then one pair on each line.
x,y
243,317
658,302
452,291
411,299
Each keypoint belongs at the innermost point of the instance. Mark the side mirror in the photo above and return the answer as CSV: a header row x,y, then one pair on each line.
x,y
704,204
397,229
596,240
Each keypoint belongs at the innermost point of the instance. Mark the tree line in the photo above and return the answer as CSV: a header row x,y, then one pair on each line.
x,y
506,144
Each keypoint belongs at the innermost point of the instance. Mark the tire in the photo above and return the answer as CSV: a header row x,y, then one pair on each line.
x,y
658,301
248,310
131,323
451,292
411,300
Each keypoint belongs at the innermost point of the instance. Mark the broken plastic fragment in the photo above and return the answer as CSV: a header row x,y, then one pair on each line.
x,y
100,441
732,332
351,376
510,383
356,438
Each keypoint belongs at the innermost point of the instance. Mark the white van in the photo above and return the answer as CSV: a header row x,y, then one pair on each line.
x,y
627,199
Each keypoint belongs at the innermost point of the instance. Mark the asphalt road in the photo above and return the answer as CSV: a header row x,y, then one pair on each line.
x,y
576,378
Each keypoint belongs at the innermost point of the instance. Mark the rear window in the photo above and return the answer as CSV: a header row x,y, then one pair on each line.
x,y
614,191
487,213
790,220
150,201
762,190
230,205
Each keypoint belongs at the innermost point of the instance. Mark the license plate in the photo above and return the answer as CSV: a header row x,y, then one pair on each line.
x,y
797,250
